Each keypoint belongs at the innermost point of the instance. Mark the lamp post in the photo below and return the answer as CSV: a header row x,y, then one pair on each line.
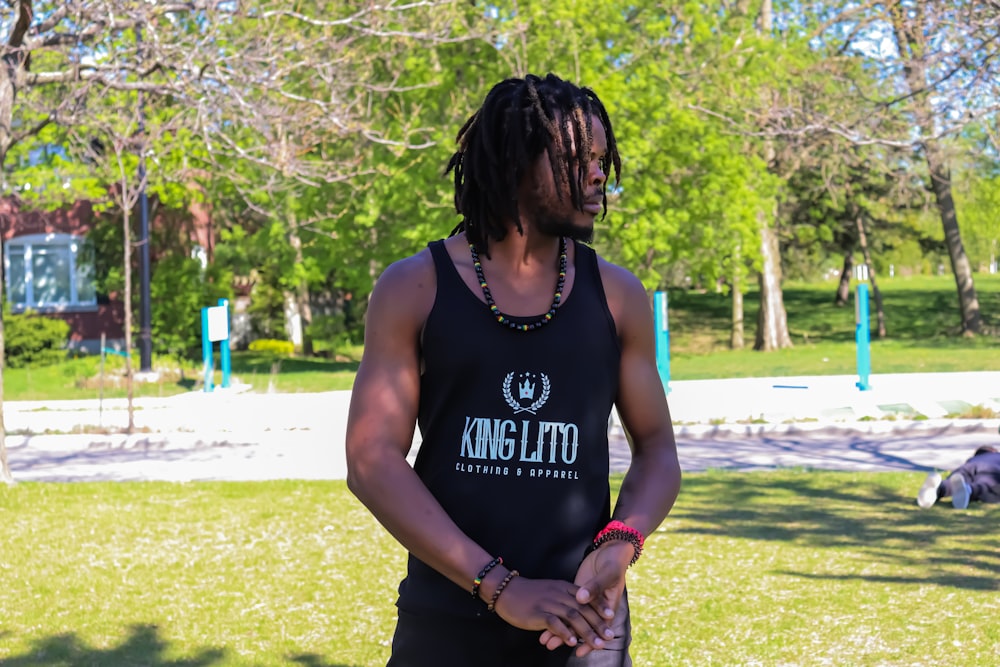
x,y
145,317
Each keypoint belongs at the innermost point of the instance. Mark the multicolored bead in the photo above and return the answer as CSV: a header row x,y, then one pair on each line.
x,y
503,319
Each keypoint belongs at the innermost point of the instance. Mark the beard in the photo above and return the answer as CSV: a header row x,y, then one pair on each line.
x,y
561,223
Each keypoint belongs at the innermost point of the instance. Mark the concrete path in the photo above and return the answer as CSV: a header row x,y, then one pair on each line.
x,y
232,435
317,455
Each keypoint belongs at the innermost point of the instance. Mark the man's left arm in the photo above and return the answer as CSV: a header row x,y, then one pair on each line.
x,y
653,479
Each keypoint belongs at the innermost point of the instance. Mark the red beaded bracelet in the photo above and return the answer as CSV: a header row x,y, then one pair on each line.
x,y
618,525
616,530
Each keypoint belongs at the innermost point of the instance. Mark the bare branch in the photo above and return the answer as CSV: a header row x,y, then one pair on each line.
x,y
377,138
21,24
91,74
18,137
354,18
804,130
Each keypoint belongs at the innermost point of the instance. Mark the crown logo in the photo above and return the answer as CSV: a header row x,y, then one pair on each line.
x,y
526,390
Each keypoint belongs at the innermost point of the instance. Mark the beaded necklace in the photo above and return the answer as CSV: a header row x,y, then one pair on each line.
x,y
503,319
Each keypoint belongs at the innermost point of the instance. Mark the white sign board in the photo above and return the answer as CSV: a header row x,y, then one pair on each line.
x,y
218,323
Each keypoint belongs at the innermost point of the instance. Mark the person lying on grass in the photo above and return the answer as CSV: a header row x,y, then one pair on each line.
x,y
978,479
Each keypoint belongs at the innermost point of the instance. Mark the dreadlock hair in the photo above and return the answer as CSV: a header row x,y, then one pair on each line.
x,y
519,119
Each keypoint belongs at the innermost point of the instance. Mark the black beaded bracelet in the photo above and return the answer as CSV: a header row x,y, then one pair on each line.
x,y
478,581
623,535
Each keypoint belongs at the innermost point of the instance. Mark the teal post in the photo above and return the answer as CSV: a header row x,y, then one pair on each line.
x,y
215,327
862,336
206,350
662,326
224,348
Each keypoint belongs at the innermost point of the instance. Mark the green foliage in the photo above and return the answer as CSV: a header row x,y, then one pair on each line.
x,y
106,238
708,110
272,347
259,251
267,312
333,330
33,340
977,197
179,289
47,176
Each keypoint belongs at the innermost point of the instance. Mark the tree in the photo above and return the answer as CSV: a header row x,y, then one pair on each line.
x,y
304,171
977,195
923,64
222,64
687,207
935,65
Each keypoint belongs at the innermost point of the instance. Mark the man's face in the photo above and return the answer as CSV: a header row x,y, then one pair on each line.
x,y
545,198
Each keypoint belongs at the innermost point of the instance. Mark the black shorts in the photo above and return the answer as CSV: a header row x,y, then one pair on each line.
x,y
448,641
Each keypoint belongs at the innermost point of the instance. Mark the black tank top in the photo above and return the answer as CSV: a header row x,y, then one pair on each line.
x,y
513,430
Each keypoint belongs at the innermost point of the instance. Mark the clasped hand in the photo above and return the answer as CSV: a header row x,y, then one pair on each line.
x,y
575,614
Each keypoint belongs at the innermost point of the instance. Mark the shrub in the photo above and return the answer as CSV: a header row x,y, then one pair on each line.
x,y
33,340
178,291
277,348
334,330
267,311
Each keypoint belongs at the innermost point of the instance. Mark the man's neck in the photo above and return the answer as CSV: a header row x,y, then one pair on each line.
x,y
528,252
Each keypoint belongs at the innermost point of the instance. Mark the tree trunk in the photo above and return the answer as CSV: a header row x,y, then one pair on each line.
x,y
11,68
736,341
772,320
866,252
968,301
14,59
302,300
8,92
127,251
910,30
844,286
5,474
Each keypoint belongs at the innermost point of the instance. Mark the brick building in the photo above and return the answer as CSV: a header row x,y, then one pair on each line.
x,y
49,264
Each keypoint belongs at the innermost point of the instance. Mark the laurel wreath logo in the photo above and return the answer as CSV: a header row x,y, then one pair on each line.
x,y
518,408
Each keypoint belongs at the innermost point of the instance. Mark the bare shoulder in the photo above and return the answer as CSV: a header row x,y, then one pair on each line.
x,y
404,293
627,298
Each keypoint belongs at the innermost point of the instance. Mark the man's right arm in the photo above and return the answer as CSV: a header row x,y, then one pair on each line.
x,y
380,427
381,422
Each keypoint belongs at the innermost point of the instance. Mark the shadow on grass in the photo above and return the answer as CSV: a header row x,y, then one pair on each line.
x,y
313,660
187,383
860,512
143,646
831,448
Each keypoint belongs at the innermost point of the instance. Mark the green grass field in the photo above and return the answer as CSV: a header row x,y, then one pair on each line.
x,y
789,567
781,568
922,321
921,314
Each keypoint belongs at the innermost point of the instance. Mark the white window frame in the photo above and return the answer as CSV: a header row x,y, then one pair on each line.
x,y
27,245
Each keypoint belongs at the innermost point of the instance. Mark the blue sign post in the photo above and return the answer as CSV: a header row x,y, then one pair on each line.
x,y
662,326
862,336
215,328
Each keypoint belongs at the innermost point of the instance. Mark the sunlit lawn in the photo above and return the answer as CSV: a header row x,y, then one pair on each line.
x,y
767,568
922,321
921,318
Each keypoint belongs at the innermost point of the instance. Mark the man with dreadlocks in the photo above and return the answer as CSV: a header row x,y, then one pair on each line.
x,y
515,557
